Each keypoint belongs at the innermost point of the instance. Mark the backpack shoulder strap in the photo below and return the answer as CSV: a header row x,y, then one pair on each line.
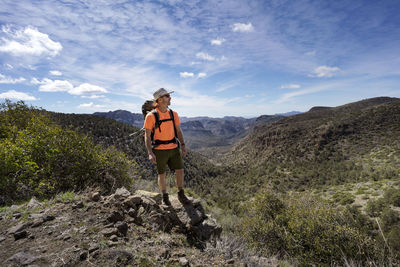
x,y
171,114
157,123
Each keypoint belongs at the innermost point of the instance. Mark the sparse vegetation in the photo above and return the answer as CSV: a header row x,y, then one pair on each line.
x,y
40,158
308,229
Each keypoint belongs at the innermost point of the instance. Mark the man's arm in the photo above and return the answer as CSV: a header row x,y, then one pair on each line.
x,y
180,137
147,141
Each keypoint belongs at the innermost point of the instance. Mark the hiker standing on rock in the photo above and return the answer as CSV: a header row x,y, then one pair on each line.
x,y
165,144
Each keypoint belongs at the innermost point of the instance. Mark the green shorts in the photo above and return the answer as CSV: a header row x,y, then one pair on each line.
x,y
172,157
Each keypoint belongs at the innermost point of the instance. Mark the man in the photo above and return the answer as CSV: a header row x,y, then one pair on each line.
x,y
164,148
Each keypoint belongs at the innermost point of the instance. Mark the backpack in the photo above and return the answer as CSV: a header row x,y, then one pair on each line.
x,y
149,106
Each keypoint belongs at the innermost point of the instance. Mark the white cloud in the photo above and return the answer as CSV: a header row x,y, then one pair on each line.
x,y
186,74
290,86
205,56
47,85
311,53
55,72
90,106
241,27
87,88
9,80
8,66
202,75
28,41
324,71
12,94
217,41
325,86
36,81
93,96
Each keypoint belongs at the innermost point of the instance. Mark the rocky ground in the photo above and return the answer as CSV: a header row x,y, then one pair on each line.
x,y
122,229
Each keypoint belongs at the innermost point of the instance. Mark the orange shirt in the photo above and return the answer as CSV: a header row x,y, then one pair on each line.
x,y
167,128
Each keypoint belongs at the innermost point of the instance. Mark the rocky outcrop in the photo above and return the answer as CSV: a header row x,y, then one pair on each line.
x,y
143,206
105,229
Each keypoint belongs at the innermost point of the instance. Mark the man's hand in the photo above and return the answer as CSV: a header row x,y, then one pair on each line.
x,y
184,152
152,158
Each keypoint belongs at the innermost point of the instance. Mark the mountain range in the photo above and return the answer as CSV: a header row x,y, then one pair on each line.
x,y
205,134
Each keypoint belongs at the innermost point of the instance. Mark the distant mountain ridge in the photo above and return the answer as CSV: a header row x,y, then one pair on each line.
x,y
204,132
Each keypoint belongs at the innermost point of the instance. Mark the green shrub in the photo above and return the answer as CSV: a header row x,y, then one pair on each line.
x,y
309,229
389,218
392,196
393,239
375,207
37,157
343,198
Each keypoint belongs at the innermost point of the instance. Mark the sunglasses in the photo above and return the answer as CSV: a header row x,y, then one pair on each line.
x,y
168,95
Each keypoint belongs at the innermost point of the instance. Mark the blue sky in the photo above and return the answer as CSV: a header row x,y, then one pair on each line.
x,y
227,57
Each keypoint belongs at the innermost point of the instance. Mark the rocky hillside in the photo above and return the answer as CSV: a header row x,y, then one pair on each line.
x,y
325,146
117,230
323,133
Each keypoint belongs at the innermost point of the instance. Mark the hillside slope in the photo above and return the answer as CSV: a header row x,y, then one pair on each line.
x,y
355,142
126,138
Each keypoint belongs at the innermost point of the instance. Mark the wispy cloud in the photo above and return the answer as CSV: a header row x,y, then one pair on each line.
x,y
90,106
93,96
324,71
131,48
12,94
311,53
28,41
290,86
242,27
205,56
201,75
9,80
55,73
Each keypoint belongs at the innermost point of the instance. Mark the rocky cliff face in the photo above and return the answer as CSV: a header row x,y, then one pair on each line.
x,y
119,229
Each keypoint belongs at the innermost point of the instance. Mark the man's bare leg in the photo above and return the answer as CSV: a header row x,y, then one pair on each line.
x,y
161,183
179,178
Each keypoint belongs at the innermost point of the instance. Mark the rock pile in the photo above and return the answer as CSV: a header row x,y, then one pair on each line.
x,y
94,227
146,207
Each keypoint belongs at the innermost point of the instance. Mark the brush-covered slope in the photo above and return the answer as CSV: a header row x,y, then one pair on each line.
x,y
128,138
357,141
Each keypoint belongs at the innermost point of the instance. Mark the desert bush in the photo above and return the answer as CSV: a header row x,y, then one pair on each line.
x,y
389,218
37,157
343,198
392,196
375,206
310,230
393,238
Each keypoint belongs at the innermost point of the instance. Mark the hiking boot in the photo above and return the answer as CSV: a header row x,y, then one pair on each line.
x,y
182,198
165,200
